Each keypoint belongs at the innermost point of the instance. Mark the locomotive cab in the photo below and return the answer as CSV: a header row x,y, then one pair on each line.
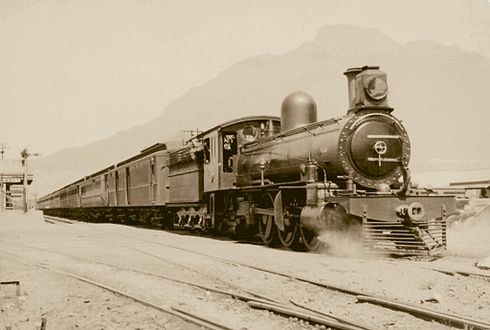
x,y
221,147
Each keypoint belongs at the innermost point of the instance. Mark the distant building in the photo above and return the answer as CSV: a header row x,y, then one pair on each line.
x,y
11,183
473,189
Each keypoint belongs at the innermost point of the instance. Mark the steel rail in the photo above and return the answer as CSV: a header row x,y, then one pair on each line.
x,y
452,272
423,313
262,300
253,296
445,318
318,319
361,326
446,271
234,286
49,217
284,310
209,324
215,278
198,317
256,297
429,314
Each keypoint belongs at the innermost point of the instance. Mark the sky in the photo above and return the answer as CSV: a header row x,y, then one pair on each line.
x,y
73,72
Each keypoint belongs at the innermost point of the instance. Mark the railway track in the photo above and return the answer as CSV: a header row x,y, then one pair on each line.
x,y
442,270
294,307
453,272
423,313
53,220
186,316
253,299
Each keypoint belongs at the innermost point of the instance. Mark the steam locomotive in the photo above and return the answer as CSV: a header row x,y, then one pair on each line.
x,y
286,180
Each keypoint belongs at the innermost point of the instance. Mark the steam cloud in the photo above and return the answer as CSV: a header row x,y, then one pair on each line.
x,y
342,243
470,235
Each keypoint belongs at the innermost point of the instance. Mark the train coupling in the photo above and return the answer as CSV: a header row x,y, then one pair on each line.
x,y
411,217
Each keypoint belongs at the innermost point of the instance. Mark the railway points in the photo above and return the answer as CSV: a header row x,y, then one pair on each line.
x,y
223,269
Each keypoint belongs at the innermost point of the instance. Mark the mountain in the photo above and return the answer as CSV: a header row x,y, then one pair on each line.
x,y
440,93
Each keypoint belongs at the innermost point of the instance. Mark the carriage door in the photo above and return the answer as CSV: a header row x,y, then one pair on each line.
x,y
153,180
228,151
128,186
116,186
211,170
105,192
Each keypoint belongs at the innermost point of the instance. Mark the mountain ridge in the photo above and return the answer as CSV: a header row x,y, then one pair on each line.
x,y
438,91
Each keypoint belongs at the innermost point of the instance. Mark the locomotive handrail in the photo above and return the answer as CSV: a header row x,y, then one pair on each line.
x,y
291,132
406,181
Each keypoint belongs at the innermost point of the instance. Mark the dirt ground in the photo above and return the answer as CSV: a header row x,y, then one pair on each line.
x,y
68,303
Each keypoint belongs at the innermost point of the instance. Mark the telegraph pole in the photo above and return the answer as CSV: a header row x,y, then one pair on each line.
x,y
3,147
24,154
191,133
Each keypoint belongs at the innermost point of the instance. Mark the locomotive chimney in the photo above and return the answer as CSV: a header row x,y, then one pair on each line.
x,y
368,88
298,109
351,85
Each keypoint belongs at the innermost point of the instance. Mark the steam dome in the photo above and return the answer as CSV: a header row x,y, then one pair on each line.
x,y
298,109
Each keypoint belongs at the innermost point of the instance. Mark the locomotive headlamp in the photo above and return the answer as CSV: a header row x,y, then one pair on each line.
x,y
376,88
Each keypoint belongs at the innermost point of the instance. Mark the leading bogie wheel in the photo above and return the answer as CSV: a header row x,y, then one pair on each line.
x,y
309,239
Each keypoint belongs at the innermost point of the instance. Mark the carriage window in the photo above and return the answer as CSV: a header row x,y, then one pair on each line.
x,y
229,150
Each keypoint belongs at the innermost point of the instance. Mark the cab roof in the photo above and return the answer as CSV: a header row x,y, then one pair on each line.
x,y
234,122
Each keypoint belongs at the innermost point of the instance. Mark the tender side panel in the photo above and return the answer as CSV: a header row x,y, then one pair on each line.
x,y
185,177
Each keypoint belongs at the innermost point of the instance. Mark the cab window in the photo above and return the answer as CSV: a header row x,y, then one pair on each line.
x,y
229,150
207,151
